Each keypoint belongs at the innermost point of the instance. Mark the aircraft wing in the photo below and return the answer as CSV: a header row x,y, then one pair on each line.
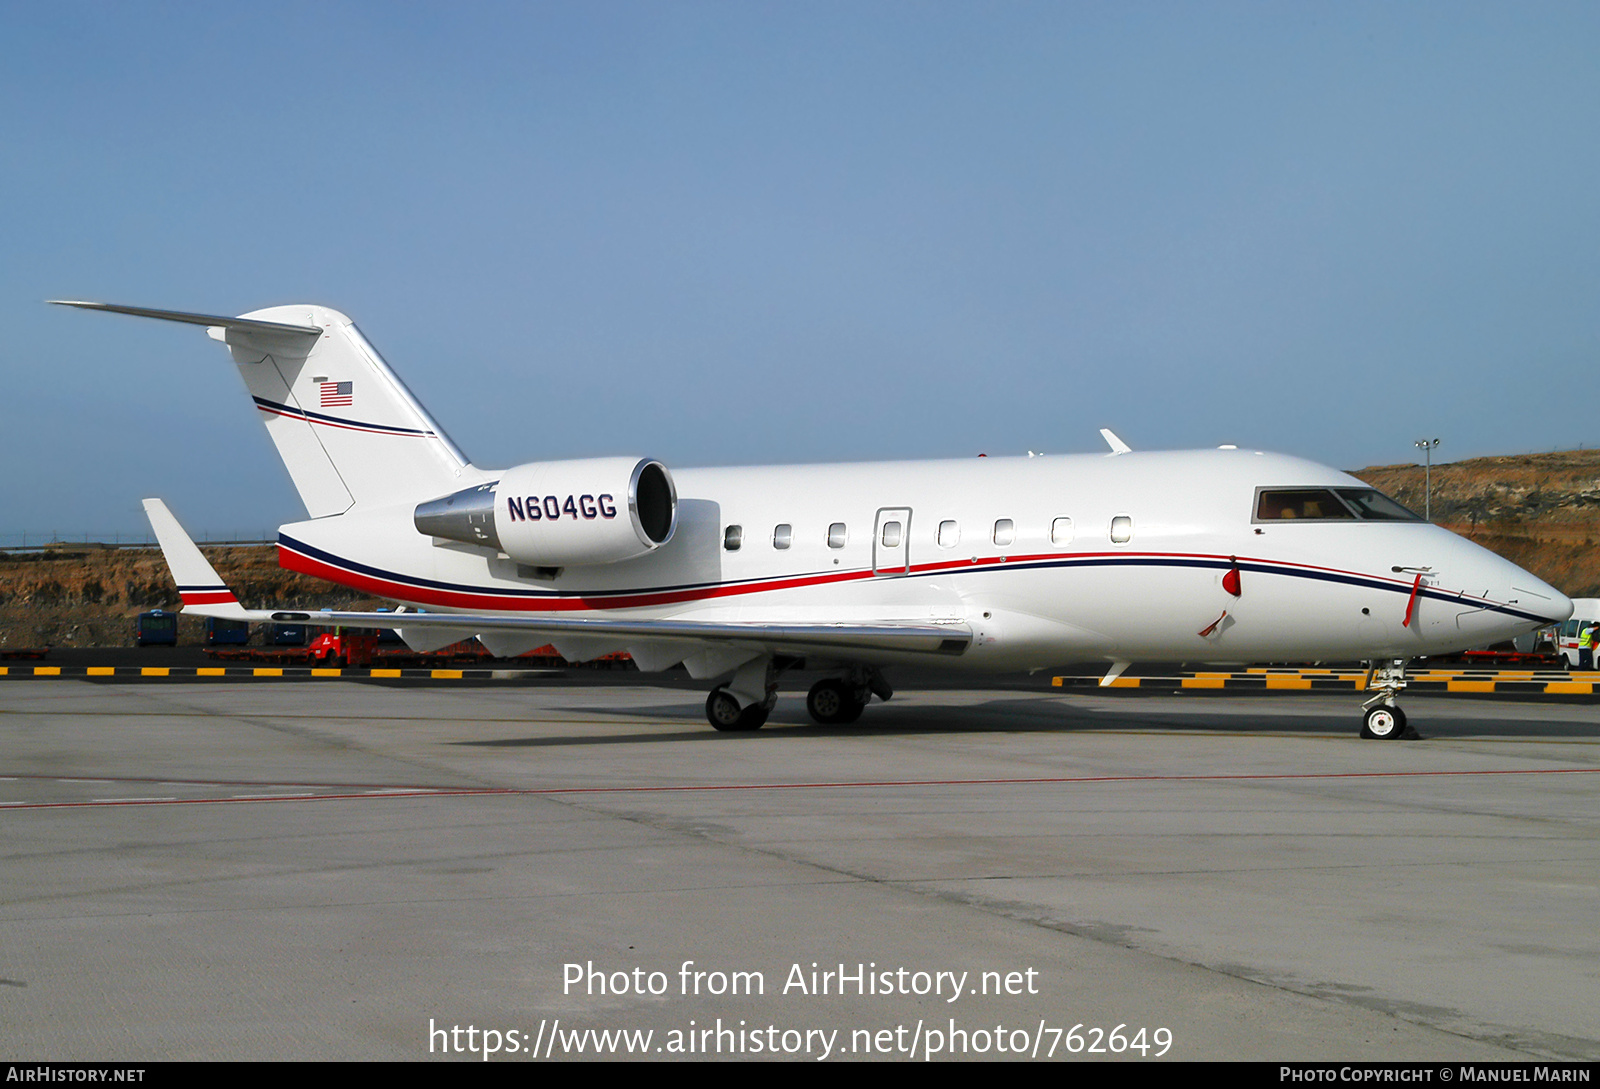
x,y
929,638
701,644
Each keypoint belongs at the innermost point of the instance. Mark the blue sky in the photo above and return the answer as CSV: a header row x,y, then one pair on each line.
x,y
750,233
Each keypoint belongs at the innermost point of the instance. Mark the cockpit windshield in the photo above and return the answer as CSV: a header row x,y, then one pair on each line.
x,y
1329,505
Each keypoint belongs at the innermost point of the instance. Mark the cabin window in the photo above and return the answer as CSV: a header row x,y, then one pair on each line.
x,y
949,534
836,535
891,535
1121,529
1004,532
782,535
732,538
1061,532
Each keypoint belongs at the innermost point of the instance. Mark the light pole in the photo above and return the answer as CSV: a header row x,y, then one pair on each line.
x,y
1428,446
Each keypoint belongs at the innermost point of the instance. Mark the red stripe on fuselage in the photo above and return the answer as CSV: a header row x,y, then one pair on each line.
x,y
293,560
462,599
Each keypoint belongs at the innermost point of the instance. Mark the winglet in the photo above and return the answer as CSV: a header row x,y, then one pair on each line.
x,y
1116,444
199,585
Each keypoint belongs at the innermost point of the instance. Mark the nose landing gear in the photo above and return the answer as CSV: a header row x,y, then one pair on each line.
x,y
1383,720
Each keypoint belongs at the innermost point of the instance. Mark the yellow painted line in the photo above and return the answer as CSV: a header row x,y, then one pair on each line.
x,y
265,671
102,671
154,671
1288,682
1469,686
5,671
47,671
210,671
1570,688
447,674
327,672
1124,682
1058,682
1204,682
385,673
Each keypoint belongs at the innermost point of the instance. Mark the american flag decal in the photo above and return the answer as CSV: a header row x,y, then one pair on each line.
x,y
335,394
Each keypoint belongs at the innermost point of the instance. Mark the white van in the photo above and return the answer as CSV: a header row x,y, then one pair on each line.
x,y
1585,611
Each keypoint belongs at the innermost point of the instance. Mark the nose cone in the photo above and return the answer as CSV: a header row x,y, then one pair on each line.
x,y
1499,595
1552,604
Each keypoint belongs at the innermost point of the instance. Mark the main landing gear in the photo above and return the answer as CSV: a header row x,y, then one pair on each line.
x,y
839,701
744,703
1383,720
832,702
725,713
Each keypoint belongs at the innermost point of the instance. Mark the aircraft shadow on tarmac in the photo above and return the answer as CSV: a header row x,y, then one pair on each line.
x,y
684,722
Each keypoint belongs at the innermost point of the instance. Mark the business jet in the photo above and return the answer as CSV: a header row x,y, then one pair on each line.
x,y
1223,556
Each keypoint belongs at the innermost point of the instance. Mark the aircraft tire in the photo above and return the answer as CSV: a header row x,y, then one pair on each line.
x,y
854,705
828,703
1383,723
724,713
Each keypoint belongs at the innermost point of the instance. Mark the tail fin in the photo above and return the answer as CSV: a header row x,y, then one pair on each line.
x,y
349,431
201,589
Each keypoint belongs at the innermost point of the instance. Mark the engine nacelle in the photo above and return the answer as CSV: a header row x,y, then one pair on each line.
x,y
562,513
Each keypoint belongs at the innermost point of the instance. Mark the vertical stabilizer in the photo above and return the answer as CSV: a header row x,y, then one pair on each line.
x,y
349,431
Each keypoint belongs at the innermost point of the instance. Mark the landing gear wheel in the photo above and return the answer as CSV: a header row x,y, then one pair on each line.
x,y
724,712
1383,723
833,703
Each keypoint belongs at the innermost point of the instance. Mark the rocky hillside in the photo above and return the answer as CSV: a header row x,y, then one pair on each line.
x,y
72,596
1541,511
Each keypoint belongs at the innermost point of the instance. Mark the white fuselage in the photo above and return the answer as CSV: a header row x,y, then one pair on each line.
x,y
1119,557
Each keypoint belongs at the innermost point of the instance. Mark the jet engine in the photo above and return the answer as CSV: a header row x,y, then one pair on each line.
x,y
562,513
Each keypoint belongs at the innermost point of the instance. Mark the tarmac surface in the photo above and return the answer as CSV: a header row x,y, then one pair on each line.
x,y
335,869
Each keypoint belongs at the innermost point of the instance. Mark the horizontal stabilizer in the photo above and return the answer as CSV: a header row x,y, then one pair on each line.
x,y
210,321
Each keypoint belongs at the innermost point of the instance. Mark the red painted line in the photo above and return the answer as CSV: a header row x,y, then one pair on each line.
x,y
839,785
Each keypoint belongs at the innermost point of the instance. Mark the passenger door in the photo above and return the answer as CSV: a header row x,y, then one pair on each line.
x,y
891,552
